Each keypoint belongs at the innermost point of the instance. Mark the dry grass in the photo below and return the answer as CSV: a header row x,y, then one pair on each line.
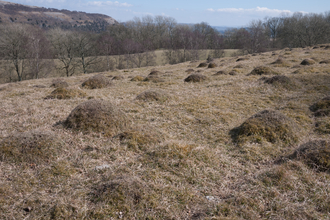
x,y
196,77
153,95
263,70
59,83
97,82
66,93
176,159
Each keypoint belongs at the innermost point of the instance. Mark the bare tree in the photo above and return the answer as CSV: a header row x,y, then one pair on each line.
x,y
14,44
63,44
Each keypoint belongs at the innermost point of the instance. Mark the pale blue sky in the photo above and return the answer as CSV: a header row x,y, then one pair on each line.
x,y
216,12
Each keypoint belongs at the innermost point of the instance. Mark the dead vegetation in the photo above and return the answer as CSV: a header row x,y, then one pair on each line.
x,y
263,70
59,83
202,65
206,150
308,62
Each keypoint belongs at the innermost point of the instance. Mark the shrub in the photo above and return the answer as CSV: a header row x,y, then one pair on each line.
x,y
262,70
315,153
153,95
322,107
196,77
97,82
66,93
269,125
307,62
97,116
31,147
59,83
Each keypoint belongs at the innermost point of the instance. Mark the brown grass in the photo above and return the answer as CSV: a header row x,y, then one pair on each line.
x,y
196,77
176,159
322,107
153,95
59,83
307,62
137,78
212,65
263,70
202,65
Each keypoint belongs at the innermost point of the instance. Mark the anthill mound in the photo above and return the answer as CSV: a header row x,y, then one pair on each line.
x,y
221,72
155,73
97,82
202,65
315,153
59,83
322,107
154,79
153,95
281,81
36,86
307,62
262,70
118,78
268,125
212,65
239,66
97,116
137,78
196,77
325,62
31,147
280,63
242,59
232,73
66,93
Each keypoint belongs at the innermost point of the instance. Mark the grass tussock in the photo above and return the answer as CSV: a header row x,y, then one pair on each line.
x,y
322,107
153,95
97,82
154,79
267,125
202,65
281,81
315,154
66,93
212,65
97,116
196,77
137,79
262,70
307,62
59,83
280,62
118,78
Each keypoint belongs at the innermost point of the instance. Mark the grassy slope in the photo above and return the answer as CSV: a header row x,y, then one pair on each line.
x,y
194,172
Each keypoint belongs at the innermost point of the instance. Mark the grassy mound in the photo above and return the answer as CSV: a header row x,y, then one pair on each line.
x,y
268,125
155,73
196,77
280,63
31,147
325,62
314,153
212,65
232,73
154,79
97,116
322,107
118,78
322,126
307,62
221,72
280,80
239,66
66,93
97,82
202,65
262,70
153,95
59,83
242,59
137,79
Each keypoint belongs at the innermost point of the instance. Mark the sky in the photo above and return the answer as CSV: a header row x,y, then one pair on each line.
x,y
228,13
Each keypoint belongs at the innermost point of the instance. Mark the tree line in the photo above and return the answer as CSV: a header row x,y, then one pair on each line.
x,y
28,52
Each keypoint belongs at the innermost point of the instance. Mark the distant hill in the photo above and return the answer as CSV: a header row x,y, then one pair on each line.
x,y
51,17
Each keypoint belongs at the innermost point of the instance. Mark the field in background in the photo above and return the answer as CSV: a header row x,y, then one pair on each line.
x,y
48,68
181,158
